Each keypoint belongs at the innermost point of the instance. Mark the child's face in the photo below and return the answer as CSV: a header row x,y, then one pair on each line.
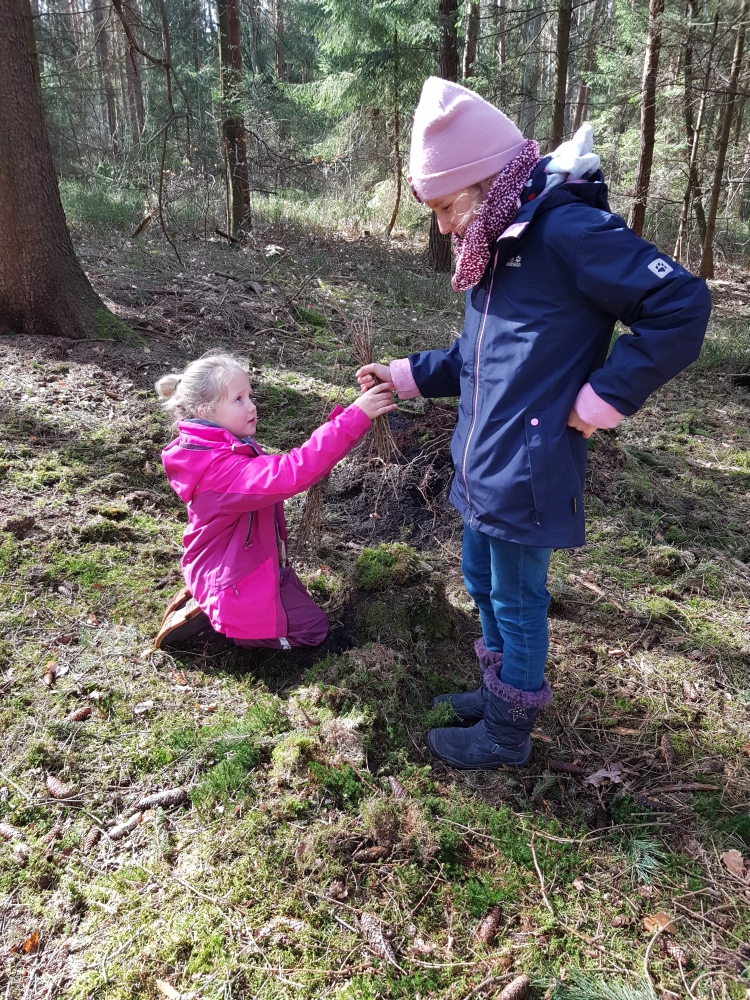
x,y
455,211
237,412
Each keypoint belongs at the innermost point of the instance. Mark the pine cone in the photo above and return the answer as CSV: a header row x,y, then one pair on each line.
x,y
58,789
373,935
53,834
668,947
366,855
487,929
516,990
667,750
10,832
398,790
563,767
169,797
79,714
118,832
91,839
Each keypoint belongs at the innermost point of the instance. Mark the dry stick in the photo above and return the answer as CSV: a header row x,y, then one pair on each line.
x,y
363,344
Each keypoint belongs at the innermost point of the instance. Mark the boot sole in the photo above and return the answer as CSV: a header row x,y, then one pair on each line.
x,y
462,766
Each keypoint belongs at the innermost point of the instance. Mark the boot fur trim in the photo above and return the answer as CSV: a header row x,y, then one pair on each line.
x,y
488,657
514,696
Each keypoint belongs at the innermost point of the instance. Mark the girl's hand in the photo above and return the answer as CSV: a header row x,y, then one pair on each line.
x,y
377,401
580,425
369,375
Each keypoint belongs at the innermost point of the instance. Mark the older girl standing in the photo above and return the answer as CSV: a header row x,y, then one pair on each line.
x,y
547,269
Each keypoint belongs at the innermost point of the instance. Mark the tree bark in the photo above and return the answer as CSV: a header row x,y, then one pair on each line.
x,y
105,69
278,38
707,256
530,78
396,135
501,45
648,117
234,140
472,37
562,51
439,245
42,287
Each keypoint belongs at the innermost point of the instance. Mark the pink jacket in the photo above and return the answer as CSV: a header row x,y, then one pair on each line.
x,y
235,541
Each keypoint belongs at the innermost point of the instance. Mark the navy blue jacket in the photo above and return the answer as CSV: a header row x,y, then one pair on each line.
x,y
538,327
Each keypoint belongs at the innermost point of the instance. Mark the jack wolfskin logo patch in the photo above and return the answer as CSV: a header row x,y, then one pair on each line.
x,y
660,268
516,262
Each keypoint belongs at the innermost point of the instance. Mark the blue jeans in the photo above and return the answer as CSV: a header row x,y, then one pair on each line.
x,y
508,583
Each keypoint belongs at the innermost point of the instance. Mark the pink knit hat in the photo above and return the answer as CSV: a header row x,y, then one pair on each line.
x,y
457,139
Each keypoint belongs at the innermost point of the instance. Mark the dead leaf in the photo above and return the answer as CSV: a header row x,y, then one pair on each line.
x,y
58,789
143,707
337,889
621,920
487,928
624,731
93,620
167,990
745,748
579,884
658,921
734,862
31,943
612,774
689,691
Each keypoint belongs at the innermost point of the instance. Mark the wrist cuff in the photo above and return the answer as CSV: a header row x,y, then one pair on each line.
x,y
403,379
592,409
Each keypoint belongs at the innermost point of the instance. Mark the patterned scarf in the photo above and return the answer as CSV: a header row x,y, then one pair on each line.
x,y
496,213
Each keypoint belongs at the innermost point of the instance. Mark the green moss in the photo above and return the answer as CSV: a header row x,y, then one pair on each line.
x,y
391,563
342,783
109,327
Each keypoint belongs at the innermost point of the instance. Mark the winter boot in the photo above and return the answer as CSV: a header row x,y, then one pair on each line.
x,y
469,706
502,738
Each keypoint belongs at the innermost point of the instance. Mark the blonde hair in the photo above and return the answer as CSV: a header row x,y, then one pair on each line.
x,y
476,193
198,390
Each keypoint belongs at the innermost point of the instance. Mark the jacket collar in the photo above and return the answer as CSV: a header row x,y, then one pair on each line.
x,y
205,434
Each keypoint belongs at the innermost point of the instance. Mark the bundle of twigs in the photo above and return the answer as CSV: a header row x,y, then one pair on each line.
x,y
311,520
363,345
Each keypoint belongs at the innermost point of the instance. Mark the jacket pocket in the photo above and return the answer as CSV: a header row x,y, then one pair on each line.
x,y
538,427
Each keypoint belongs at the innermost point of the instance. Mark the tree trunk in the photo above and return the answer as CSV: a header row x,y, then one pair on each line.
x,y
136,106
707,256
448,53
530,78
648,118
439,245
278,38
501,45
102,50
234,141
584,91
396,135
562,51
197,32
42,287
693,130
472,37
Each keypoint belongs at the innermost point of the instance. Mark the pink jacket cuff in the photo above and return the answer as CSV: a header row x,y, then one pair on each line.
x,y
353,417
403,379
594,410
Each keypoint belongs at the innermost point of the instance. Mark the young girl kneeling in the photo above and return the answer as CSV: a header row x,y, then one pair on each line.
x,y
235,561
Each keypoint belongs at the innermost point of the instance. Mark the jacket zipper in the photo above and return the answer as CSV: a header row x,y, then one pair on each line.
x,y
250,517
477,352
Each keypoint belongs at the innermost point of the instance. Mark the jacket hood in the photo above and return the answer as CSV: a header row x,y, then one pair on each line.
x,y
187,458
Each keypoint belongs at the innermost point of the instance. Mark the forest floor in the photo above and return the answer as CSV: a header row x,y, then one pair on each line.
x,y
313,849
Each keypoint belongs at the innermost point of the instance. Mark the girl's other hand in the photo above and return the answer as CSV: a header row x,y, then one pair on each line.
x,y
369,375
377,401
580,425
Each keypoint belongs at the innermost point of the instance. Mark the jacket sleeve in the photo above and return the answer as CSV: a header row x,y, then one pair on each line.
x,y
244,484
666,308
437,373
